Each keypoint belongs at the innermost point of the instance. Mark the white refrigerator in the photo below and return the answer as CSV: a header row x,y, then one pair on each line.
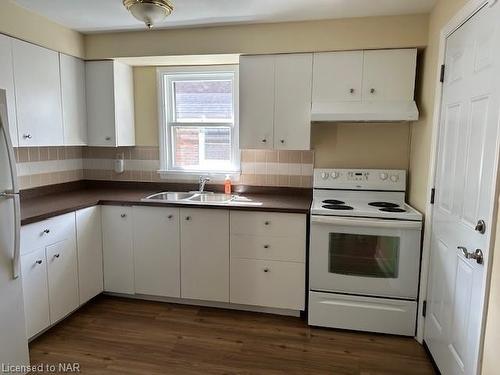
x,y
13,340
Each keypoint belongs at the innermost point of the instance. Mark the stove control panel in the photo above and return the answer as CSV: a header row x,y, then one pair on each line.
x,y
360,179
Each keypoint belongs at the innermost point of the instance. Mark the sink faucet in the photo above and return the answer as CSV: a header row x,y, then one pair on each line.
x,y
203,182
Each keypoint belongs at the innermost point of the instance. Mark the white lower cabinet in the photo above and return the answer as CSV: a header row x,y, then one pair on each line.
x,y
268,259
117,247
157,251
62,278
49,271
268,283
89,246
35,291
205,254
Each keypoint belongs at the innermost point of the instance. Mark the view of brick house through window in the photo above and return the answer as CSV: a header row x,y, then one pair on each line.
x,y
200,120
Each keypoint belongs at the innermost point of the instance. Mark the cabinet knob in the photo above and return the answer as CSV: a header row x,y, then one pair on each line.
x,y
266,269
39,261
372,91
57,255
170,216
46,231
264,140
27,136
267,222
266,246
123,215
282,140
351,91
108,138
188,218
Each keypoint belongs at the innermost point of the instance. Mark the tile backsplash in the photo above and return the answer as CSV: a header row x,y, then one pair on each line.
x,y
39,166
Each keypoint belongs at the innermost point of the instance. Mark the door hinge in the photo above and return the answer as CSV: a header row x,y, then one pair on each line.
x,y
433,194
424,309
441,74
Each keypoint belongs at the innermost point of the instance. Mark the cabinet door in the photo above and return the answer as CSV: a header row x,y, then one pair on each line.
x,y
256,102
124,104
62,274
205,254
74,106
100,103
118,255
89,245
292,110
337,76
7,84
38,95
157,251
389,74
35,291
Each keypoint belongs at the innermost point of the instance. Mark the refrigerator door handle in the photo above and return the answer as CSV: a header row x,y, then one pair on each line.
x,y
16,259
17,204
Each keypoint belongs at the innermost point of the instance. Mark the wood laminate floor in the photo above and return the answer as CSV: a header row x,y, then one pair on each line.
x,y
120,336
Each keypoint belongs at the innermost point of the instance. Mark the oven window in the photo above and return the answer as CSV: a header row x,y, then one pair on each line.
x,y
364,255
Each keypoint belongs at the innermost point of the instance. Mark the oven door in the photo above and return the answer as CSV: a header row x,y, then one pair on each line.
x,y
365,256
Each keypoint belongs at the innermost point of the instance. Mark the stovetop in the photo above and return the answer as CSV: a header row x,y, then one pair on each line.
x,y
362,193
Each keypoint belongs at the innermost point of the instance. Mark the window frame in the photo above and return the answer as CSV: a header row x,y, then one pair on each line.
x,y
165,77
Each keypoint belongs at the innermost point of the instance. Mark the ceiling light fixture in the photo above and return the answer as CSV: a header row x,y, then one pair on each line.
x,y
149,11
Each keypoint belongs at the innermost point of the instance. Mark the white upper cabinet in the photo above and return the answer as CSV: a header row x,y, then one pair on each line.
x,y
256,102
337,76
38,95
7,84
73,100
389,75
275,101
373,86
292,108
110,104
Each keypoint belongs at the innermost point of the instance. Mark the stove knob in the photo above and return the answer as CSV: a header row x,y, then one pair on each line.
x,y
334,175
324,175
394,178
384,176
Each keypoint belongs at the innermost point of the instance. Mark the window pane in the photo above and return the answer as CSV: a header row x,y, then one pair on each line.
x,y
203,101
201,148
364,255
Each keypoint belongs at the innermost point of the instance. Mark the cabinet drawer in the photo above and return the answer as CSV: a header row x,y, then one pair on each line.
x,y
268,283
47,232
290,248
268,223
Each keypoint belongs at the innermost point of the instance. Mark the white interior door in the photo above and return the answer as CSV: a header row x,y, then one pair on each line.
x,y
465,192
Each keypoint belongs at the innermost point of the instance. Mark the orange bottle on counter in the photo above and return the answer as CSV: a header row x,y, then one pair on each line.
x,y
227,185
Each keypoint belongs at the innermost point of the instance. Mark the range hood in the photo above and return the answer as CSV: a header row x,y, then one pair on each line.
x,y
363,111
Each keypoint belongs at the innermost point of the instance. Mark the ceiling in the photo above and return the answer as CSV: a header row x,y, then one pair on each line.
x,y
110,15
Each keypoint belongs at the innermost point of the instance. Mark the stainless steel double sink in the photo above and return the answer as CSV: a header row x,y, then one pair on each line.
x,y
196,197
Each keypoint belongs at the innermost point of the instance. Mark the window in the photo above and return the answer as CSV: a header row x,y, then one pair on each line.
x,y
198,124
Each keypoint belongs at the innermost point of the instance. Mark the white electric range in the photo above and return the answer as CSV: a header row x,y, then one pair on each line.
x,y
364,252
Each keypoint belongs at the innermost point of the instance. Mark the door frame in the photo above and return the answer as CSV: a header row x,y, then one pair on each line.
x,y
462,16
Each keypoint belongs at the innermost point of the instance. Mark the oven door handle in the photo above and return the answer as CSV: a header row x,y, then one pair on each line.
x,y
366,223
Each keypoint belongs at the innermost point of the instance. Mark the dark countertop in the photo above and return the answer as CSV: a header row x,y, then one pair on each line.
x,y
37,207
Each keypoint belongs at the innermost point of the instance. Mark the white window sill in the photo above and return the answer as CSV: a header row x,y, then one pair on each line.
x,y
195,175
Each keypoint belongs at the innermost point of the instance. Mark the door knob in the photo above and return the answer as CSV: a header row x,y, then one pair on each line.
x,y
477,255
480,226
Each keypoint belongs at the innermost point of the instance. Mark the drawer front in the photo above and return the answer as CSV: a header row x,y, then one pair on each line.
x,y
291,248
362,313
268,223
268,283
47,232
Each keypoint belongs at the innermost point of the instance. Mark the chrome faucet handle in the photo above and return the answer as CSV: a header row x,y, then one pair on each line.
x,y
203,181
